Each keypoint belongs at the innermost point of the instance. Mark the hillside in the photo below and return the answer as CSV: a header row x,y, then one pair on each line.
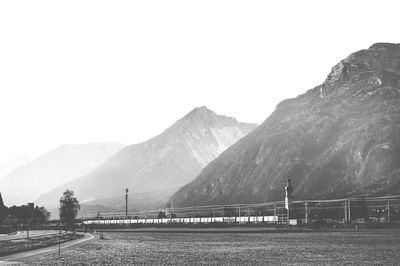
x,y
160,165
9,165
65,163
338,139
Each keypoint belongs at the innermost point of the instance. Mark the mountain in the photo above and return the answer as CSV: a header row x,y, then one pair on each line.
x,y
24,184
161,164
9,165
341,138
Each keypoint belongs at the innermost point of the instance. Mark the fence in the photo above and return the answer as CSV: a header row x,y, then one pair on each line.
x,y
335,212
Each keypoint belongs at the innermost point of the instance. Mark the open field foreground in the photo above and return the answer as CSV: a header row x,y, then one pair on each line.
x,y
362,247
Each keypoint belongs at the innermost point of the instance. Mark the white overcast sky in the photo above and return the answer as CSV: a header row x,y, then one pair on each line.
x,y
92,71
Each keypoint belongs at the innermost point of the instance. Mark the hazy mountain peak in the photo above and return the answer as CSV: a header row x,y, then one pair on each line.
x,y
202,119
15,162
201,109
200,114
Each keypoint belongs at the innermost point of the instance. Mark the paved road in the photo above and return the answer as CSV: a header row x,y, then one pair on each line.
x,y
19,257
33,233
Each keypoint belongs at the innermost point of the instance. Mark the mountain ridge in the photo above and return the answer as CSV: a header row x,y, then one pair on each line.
x,y
163,163
340,138
53,168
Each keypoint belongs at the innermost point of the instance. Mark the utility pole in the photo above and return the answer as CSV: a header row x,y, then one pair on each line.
x,y
275,218
30,218
59,240
27,229
349,207
126,203
288,198
213,220
388,211
306,211
345,211
240,219
59,233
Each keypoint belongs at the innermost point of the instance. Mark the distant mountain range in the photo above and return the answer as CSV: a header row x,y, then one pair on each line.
x,y
341,138
9,165
158,166
67,162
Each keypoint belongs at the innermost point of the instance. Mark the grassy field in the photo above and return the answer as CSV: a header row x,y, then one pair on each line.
x,y
10,246
362,247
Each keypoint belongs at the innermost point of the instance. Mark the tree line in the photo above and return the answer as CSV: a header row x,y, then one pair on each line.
x,y
16,217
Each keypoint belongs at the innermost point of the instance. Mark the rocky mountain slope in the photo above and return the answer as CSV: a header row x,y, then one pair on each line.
x,y
338,139
160,165
65,163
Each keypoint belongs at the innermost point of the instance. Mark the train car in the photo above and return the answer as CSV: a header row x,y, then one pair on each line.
x,y
218,219
242,219
270,219
187,220
229,219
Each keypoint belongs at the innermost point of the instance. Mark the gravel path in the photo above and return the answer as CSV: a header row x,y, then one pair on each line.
x,y
32,233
